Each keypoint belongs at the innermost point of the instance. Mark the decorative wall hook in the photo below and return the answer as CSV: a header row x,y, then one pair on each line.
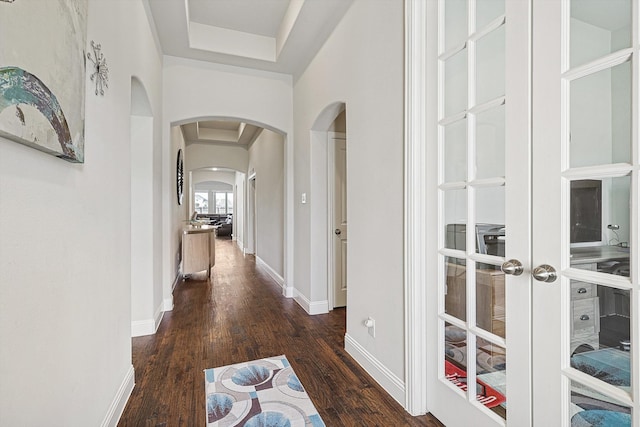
x,y
100,70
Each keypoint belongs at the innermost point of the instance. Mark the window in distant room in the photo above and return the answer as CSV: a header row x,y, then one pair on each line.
x,y
229,203
202,202
224,203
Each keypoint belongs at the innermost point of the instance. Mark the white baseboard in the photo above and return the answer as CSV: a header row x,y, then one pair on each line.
x,y
178,277
270,271
387,379
240,245
120,400
288,291
167,304
312,308
140,328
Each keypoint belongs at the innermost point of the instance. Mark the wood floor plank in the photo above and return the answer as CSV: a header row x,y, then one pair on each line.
x,y
240,315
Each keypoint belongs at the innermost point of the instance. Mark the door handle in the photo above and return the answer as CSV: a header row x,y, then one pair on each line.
x,y
545,273
512,267
338,232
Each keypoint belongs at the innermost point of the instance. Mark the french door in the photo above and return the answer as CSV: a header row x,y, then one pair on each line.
x,y
537,283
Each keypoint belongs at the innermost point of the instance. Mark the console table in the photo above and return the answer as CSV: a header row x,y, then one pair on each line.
x,y
585,298
198,249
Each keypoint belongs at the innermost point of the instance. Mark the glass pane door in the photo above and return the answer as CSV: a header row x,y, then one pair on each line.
x,y
476,188
585,212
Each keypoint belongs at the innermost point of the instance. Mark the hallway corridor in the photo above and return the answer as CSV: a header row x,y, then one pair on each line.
x,y
238,316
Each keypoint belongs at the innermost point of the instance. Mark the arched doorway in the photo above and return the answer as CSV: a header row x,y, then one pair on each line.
x,y
216,143
328,217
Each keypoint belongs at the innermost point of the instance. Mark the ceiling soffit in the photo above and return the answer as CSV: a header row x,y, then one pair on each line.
x,y
221,132
270,35
255,30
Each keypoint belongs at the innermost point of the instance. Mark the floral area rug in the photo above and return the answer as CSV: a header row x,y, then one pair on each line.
x,y
260,393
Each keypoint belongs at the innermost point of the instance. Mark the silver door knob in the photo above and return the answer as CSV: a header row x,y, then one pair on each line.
x,y
545,273
338,232
512,267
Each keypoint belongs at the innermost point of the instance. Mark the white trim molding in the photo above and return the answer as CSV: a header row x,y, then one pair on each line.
x,y
287,291
289,205
177,278
331,197
140,328
380,373
312,308
120,400
168,303
415,208
270,271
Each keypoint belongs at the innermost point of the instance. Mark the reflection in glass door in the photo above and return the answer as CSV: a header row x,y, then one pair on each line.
x,y
584,131
474,235
577,102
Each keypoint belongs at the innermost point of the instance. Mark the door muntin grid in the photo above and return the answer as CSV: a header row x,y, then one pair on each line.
x,y
472,197
599,157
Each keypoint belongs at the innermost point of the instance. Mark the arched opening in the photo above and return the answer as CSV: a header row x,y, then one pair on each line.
x,y
328,212
256,173
214,199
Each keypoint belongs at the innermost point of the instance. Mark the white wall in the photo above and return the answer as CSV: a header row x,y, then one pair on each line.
x,y
266,158
65,315
621,139
361,64
601,120
196,90
174,221
203,155
214,186
146,294
204,176
590,99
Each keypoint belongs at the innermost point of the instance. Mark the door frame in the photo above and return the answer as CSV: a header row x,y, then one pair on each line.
x,y
417,219
331,175
421,219
250,246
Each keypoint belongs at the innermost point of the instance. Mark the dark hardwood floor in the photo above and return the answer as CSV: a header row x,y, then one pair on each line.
x,y
240,315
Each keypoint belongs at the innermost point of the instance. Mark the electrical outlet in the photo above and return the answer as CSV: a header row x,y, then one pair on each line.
x,y
370,323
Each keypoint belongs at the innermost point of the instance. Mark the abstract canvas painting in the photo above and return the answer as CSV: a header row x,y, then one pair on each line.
x,y
42,75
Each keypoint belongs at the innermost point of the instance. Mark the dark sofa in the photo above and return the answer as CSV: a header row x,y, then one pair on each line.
x,y
223,222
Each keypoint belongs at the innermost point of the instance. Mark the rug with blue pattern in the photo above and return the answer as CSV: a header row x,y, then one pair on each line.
x,y
260,393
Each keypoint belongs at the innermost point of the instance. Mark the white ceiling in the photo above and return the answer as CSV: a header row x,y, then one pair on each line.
x,y
271,35
257,17
227,132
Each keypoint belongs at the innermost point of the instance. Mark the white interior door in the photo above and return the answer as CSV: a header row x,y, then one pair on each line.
x,y
560,350
340,222
482,125
585,81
